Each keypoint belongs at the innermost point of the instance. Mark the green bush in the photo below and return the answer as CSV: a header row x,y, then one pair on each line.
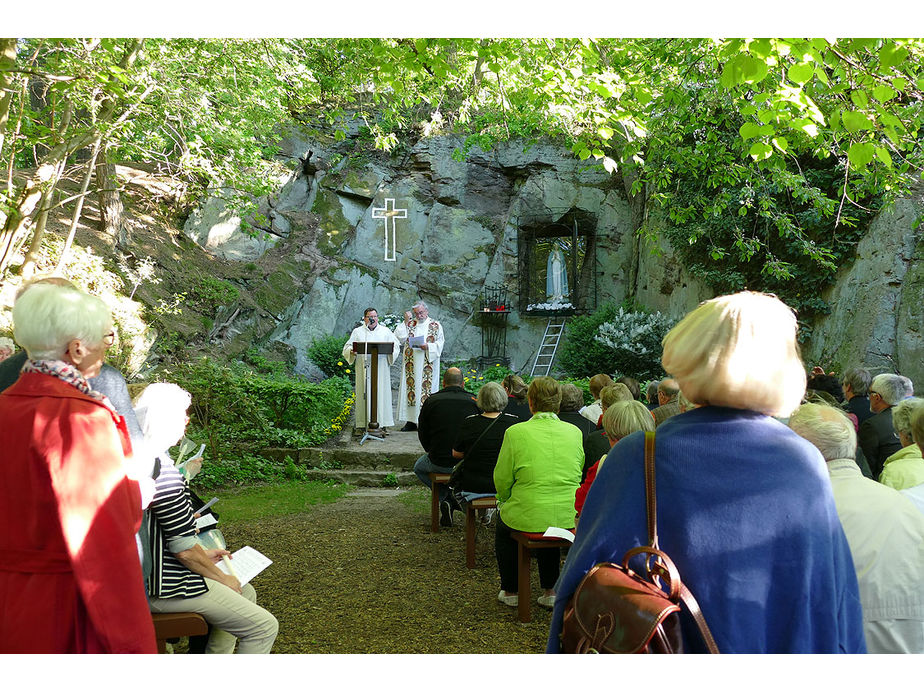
x,y
327,354
239,412
582,356
617,340
208,292
634,340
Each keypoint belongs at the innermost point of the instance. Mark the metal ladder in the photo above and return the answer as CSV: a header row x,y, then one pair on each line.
x,y
546,354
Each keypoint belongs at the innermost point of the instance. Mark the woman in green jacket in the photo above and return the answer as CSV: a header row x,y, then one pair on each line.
x,y
537,473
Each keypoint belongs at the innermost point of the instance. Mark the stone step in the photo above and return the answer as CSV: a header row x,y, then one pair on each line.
x,y
399,451
394,478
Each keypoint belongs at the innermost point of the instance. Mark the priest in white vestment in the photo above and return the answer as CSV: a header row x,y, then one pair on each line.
x,y
372,331
421,338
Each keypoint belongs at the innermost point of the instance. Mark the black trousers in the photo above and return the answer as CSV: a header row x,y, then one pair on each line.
x,y
505,549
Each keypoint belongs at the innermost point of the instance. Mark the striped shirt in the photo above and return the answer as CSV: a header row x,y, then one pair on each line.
x,y
172,531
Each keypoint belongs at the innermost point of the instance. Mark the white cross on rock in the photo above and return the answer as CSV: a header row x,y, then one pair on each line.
x,y
389,215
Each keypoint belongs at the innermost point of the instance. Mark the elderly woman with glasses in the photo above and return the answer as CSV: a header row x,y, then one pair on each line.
x,y
70,576
744,505
185,576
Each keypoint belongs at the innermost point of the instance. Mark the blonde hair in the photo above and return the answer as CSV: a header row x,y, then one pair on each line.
x,y
738,351
515,386
902,414
827,428
622,418
917,427
617,392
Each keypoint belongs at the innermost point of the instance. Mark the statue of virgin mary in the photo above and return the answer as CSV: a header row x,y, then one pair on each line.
x,y
556,283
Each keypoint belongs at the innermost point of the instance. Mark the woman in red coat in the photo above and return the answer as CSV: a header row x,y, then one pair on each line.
x,y
70,576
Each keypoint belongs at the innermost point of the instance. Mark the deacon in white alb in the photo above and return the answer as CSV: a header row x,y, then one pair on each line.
x,y
421,337
372,331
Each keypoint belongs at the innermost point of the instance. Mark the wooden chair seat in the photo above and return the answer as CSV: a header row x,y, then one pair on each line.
x,y
526,542
179,625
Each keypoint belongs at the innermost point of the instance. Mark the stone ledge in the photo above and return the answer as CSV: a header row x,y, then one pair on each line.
x,y
364,477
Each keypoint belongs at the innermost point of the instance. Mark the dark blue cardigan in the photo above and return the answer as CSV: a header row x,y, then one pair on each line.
x,y
745,511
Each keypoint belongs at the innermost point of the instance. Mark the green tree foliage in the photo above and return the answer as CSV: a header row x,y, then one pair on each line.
x,y
721,134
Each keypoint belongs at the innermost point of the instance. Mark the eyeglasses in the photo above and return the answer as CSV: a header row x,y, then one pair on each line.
x,y
873,392
109,338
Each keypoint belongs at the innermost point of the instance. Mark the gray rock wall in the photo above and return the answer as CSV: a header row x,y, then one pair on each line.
x,y
460,233
878,301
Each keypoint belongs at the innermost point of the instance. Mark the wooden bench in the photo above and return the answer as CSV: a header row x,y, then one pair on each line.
x,y
436,480
526,542
471,525
179,625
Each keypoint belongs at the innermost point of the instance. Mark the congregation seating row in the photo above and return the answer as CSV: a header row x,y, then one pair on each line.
x,y
526,541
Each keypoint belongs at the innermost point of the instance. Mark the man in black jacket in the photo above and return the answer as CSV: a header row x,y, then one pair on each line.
x,y
877,437
437,425
855,386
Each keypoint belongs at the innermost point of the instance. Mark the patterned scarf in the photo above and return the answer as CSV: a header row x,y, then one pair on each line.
x,y
69,374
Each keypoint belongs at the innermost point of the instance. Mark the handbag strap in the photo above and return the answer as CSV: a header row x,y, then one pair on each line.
x,y
650,495
478,439
652,510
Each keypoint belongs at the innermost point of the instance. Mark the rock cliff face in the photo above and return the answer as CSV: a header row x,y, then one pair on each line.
x,y
463,225
878,302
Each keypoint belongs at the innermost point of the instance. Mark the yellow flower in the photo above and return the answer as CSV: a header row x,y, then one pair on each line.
x,y
339,363
347,370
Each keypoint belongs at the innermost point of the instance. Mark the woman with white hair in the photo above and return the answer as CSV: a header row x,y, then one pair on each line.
x,y
7,347
479,441
619,420
904,468
744,505
70,576
185,576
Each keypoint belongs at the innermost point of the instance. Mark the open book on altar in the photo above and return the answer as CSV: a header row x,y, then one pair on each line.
x,y
245,564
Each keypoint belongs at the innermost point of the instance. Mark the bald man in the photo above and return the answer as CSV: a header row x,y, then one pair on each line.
x,y
440,418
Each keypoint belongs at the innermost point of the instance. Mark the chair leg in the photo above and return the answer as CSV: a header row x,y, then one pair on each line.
x,y
471,526
523,603
435,508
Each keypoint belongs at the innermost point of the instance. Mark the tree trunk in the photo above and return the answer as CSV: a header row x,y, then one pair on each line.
x,y
7,63
78,208
110,201
16,226
38,235
637,204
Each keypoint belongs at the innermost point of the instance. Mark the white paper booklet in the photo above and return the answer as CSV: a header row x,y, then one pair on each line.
x,y
206,520
418,340
245,564
559,533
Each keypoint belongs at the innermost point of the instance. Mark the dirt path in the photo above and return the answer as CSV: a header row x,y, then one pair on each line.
x,y
365,575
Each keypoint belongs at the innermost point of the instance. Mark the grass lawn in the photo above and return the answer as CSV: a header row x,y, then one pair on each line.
x,y
273,500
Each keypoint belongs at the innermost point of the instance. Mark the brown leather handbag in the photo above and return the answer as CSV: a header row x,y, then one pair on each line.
x,y
615,610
